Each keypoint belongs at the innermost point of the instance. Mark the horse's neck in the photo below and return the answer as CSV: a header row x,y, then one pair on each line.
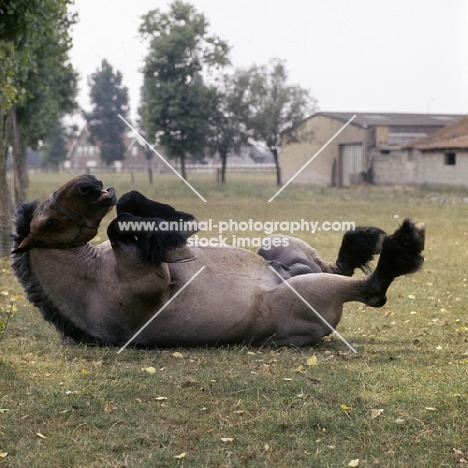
x,y
69,276
78,262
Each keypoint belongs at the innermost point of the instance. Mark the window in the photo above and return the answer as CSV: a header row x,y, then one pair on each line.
x,y
450,159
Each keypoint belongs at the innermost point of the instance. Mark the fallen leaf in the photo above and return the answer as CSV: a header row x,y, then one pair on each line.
x,y
354,462
400,421
178,355
410,296
181,455
4,410
84,372
312,361
3,454
227,439
110,406
376,413
299,368
42,436
160,398
150,370
288,379
346,408
429,408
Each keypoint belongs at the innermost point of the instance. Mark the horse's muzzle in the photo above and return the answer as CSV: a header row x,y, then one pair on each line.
x,y
108,197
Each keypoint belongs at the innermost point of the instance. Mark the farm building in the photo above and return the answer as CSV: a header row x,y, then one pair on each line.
x,y
369,149
441,158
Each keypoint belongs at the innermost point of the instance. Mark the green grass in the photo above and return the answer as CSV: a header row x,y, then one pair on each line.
x,y
100,409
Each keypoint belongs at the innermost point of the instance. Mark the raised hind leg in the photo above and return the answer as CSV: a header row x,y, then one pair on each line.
x,y
357,249
297,324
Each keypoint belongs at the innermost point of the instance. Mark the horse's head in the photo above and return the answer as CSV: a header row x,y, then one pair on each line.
x,y
70,216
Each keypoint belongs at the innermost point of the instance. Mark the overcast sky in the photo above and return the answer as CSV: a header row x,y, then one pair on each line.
x,y
353,55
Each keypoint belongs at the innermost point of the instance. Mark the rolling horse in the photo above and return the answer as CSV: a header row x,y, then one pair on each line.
x,y
105,294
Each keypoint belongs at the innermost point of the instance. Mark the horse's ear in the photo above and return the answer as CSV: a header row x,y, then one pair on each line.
x,y
26,244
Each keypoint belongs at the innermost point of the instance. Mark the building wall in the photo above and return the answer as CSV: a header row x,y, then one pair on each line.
x,y
392,167
313,134
431,169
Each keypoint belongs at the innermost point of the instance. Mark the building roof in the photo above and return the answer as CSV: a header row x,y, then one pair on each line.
x,y
373,119
453,136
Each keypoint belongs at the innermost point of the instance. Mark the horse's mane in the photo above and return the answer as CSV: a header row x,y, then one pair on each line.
x,y
22,268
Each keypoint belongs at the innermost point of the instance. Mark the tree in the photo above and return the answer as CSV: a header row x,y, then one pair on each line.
x,y
228,116
34,44
55,151
105,127
174,95
275,106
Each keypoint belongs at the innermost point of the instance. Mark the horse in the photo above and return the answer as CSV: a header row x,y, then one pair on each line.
x,y
151,288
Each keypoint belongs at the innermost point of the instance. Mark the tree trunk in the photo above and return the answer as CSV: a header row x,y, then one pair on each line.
x,y
150,175
20,167
183,172
5,213
278,169
223,167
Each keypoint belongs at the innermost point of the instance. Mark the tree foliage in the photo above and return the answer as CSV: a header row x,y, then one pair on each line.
x,y
274,105
55,151
228,116
175,97
109,98
37,85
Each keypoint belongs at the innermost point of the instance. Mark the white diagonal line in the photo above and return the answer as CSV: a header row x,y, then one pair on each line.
x,y
161,309
312,158
314,311
161,157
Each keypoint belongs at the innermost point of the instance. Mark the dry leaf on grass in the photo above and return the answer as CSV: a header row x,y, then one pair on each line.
x,y
3,454
180,456
42,436
110,406
178,355
227,439
376,413
346,407
312,361
354,462
150,370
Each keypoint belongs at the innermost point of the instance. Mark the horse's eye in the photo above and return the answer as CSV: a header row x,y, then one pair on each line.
x,y
51,223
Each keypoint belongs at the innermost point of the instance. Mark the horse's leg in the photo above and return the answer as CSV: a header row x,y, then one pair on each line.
x,y
298,324
357,249
146,241
137,204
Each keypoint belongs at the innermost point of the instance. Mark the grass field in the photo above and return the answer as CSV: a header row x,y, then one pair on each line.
x,y
401,401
